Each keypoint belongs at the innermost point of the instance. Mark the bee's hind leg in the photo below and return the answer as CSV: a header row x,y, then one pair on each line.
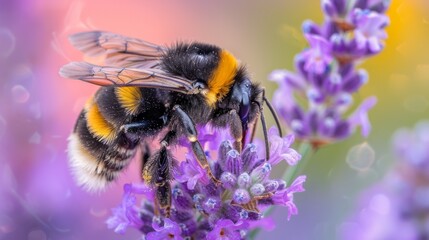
x,y
192,135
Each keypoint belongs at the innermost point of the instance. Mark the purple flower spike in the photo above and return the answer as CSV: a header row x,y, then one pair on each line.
x,y
313,102
225,230
201,209
170,230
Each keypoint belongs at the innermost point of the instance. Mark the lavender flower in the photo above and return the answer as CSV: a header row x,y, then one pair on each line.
x,y
313,100
200,208
398,207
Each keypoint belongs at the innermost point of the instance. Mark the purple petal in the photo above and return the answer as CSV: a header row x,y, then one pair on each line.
x,y
297,185
291,156
170,230
226,229
287,79
309,27
329,8
360,116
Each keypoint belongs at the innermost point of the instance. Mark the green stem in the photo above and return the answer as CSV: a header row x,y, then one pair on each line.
x,y
306,150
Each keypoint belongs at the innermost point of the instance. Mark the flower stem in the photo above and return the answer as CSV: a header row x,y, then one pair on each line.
x,y
306,151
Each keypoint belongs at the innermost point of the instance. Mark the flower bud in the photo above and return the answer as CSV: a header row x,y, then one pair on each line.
x,y
224,148
233,162
257,189
181,199
244,180
249,157
212,205
271,185
261,173
241,196
228,180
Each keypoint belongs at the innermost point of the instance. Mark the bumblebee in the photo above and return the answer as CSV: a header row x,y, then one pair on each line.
x,y
153,91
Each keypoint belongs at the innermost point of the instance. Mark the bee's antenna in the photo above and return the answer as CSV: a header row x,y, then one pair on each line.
x,y
273,113
264,127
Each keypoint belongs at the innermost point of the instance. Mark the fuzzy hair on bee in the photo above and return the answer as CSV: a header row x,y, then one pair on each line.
x,y
150,91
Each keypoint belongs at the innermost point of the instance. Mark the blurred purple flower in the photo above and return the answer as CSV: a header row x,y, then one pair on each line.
x,y
317,58
127,214
369,32
200,208
314,100
397,207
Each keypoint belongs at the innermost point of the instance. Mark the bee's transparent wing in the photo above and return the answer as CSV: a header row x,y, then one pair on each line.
x,y
121,76
119,50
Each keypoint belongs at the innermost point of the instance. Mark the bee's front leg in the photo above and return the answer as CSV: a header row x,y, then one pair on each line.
x,y
236,130
192,135
158,172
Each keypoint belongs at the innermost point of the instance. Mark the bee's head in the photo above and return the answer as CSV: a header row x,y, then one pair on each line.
x,y
248,98
245,97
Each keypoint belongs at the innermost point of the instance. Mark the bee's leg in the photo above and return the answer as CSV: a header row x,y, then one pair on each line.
x,y
236,130
192,135
135,127
144,127
145,151
157,171
233,121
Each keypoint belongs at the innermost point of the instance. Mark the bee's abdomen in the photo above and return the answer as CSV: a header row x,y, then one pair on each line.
x,y
98,149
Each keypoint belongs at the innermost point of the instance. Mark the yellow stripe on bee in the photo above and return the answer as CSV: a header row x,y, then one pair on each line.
x,y
98,125
147,177
222,78
129,98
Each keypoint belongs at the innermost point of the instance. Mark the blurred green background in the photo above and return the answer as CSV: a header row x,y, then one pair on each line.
x,y
264,34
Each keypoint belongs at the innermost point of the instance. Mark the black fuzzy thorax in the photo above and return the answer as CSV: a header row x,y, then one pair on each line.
x,y
194,61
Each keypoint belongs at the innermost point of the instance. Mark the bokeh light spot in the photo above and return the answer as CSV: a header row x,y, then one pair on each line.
x,y
20,94
37,235
380,203
7,42
35,138
98,212
361,157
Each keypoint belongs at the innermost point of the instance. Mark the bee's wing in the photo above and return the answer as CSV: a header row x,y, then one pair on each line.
x,y
119,50
121,76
